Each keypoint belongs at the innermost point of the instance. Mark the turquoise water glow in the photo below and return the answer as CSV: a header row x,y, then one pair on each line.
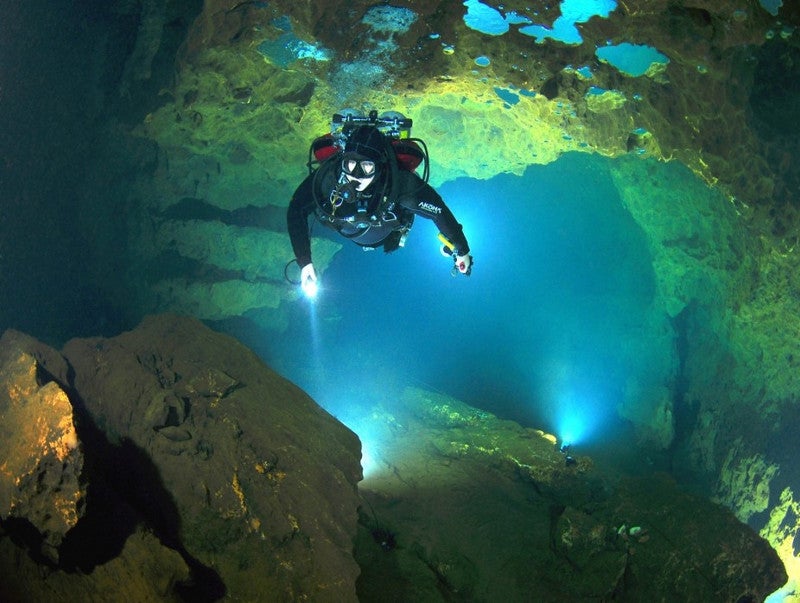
x,y
485,19
536,334
572,12
491,21
631,59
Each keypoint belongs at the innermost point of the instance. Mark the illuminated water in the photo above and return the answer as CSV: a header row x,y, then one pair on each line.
x,y
537,333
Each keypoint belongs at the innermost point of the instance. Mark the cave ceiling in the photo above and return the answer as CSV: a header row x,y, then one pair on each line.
x,y
255,81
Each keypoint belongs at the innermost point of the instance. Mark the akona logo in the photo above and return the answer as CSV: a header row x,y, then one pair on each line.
x,y
429,207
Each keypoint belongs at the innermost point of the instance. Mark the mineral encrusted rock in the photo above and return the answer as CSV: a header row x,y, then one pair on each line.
x,y
262,479
198,456
471,507
40,457
209,477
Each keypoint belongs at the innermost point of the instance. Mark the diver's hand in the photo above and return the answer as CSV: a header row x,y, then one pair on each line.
x,y
308,280
464,263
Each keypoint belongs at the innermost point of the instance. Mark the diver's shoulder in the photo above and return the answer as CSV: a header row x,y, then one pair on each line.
x,y
409,180
326,175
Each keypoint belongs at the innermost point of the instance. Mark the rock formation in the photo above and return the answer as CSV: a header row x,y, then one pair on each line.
x,y
196,454
479,509
42,463
188,130
170,464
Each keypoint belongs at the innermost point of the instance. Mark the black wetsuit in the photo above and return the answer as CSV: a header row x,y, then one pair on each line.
x,y
379,221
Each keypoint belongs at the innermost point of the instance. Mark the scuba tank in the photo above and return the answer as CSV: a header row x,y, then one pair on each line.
x,y
409,152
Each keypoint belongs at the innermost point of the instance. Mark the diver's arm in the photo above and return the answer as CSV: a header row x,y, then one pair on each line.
x,y
452,230
426,202
300,207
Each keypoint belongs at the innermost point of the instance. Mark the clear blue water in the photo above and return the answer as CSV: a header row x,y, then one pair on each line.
x,y
564,27
632,59
534,335
537,334
535,331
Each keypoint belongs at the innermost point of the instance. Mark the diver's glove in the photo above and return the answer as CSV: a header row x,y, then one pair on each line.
x,y
464,264
308,280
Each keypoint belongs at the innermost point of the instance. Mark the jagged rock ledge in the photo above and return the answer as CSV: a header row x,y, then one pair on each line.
x,y
206,474
169,463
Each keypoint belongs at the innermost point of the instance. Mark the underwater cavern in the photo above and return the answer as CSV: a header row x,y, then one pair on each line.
x,y
605,409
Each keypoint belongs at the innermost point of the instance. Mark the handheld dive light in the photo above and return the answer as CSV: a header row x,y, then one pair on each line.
x,y
449,249
310,288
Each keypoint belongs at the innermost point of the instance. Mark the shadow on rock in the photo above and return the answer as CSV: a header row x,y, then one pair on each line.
x,y
125,490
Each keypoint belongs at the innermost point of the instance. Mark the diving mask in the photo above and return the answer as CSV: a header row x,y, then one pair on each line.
x,y
358,170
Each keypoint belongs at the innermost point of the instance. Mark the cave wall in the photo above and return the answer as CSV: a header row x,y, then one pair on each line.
x,y
230,132
234,118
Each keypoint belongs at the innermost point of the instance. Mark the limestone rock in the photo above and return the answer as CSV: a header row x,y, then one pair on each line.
x,y
476,508
210,477
144,570
744,482
206,474
232,465
41,461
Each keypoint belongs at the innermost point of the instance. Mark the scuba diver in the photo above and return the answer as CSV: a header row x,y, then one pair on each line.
x,y
366,189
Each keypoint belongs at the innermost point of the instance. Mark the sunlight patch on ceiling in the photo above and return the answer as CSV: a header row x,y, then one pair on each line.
x,y
633,59
771,6
485,19
564,27
491,21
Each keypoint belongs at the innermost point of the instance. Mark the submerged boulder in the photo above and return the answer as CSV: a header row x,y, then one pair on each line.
x,y
177,467
40,460
463,506
237,473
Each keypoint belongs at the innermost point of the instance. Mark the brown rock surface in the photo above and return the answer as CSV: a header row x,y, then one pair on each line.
x,y
464,506
247,473
144,570
41,461
209,476
222,470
